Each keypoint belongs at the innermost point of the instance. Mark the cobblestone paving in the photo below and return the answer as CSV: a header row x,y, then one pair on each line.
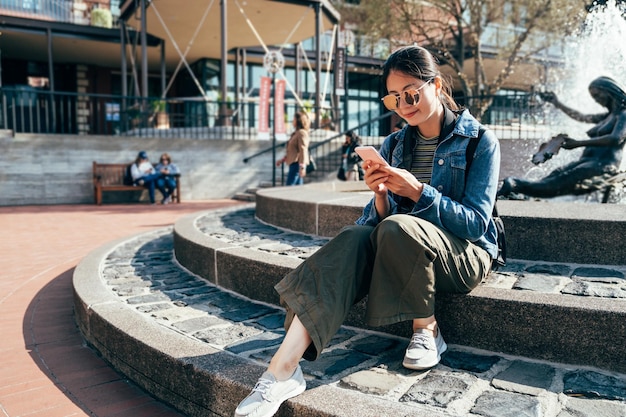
x,y
239,227
468,382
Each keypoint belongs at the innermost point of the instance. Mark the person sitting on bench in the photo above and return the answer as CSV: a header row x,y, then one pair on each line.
x,y
145,175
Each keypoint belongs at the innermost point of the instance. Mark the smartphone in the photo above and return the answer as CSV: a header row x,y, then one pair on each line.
x,y
369,153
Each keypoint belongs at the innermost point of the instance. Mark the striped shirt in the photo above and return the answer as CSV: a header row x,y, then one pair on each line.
x,y
423,154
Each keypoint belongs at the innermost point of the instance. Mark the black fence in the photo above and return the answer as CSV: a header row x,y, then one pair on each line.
x,y
32,110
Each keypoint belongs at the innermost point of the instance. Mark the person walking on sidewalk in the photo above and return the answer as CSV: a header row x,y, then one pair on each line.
x,y
350,160
297,153
427,229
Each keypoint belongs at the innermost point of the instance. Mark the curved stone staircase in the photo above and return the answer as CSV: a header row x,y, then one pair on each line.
x,y
189,313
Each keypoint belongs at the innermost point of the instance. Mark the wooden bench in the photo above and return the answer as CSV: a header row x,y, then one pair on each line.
x,y
110,177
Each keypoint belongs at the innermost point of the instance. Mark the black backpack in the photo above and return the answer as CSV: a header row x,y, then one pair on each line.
x,y
500,261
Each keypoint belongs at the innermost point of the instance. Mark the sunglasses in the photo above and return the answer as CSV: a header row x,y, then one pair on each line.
x,y
410,96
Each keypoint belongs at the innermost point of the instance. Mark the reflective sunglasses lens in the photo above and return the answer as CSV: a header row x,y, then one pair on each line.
x,y
391,102
411,99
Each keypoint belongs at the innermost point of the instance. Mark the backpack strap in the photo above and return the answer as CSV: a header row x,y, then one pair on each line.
x,y
501,239
471,150
392,146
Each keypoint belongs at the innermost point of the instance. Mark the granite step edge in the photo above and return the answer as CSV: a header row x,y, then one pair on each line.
x,y
199,379
503,312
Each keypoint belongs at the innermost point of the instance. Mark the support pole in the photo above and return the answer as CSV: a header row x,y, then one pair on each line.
x,y
245,74
346,97
144,64
337,105
163,70
53,107
318,63
274,130
50,62
124,64
298,70
124,69
144,50
238,71
223,107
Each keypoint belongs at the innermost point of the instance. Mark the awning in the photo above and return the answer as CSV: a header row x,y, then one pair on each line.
x,y
275,21
195,26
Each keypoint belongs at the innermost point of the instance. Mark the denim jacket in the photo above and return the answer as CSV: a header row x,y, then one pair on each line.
x,y
450,202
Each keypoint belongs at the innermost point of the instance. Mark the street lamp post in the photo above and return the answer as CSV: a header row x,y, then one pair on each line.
x,y
273,62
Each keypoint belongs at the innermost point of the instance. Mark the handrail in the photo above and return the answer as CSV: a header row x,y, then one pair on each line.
x,y
325,141
370,121
264,151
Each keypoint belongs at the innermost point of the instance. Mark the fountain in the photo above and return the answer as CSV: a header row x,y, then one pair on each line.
x,y
598,41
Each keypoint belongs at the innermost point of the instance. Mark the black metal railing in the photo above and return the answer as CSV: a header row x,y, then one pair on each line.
x,y
31,110
34,110
27,109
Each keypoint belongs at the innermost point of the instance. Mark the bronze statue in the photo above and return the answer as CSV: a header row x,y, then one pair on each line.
x,y
603,150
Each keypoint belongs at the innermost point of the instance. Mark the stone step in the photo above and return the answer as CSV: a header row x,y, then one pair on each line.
x,y
564,312
585,233
250,193
245,196
201,347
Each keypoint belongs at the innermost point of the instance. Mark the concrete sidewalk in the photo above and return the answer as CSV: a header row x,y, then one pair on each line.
x,y
46,369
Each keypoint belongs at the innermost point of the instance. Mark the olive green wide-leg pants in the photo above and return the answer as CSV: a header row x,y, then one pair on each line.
x,y
401,263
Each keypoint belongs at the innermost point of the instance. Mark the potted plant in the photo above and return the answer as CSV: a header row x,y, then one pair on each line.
x,y
326,122
101,17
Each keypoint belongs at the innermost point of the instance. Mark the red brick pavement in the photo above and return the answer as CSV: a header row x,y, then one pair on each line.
x,y
45,368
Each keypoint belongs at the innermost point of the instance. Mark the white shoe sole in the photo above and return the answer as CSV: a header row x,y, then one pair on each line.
x,y
292,394
413,364
269,413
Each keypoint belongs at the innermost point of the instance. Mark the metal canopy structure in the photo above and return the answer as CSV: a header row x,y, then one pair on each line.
x,y
211,28
60,42
167,33
274,20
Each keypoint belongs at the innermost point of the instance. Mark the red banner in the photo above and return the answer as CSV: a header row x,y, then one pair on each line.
x,y
279,109
264,108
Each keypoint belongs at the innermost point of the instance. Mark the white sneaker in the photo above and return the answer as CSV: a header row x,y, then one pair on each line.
x,y
425,350
268,394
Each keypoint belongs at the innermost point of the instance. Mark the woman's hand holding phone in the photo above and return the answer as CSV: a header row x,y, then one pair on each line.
x,y
369,153
380,176
375,169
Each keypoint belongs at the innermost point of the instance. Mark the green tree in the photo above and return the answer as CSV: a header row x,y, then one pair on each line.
x,y
458,31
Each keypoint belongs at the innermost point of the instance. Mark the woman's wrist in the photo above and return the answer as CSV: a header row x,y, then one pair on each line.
x,y
418,192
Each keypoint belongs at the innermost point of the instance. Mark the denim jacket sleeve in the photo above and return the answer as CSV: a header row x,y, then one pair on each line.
x,y
452,202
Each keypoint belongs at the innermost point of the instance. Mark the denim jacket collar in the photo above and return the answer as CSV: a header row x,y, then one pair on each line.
x,y
454,123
